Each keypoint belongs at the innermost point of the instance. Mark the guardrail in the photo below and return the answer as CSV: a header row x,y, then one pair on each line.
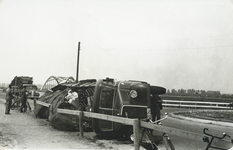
x,y
196,104
43,103
136,123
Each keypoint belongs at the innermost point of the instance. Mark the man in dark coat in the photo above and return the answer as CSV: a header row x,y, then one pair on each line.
x,y
9,97
23,100
156,106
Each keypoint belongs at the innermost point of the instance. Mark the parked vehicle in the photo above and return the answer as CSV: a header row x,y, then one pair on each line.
x,y
31,91
17,84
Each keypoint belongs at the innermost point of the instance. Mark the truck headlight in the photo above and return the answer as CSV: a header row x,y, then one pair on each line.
x,y
133,94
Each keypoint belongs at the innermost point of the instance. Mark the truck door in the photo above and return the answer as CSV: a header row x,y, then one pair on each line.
x,y
106,107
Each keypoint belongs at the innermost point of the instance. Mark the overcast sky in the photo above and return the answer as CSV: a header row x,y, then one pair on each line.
x,y
171,43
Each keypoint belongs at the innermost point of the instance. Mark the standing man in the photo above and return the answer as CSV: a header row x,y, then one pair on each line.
x,y
156,106
9,97
23,100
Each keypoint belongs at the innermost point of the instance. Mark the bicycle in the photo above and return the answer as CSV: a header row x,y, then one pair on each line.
x,y
165,137
209,141
168,142
16,102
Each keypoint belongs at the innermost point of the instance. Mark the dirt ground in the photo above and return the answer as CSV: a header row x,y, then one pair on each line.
x,y
24,131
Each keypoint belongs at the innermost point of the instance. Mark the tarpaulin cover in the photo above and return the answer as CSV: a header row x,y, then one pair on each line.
x,y
60,97
62,121
58,121
42,111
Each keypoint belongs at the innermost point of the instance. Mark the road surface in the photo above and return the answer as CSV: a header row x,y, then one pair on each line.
x,y
24,131
195,126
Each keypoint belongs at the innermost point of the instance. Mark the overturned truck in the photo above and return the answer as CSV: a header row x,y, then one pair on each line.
x,y
129,99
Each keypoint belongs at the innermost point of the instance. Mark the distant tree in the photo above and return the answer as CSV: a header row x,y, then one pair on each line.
x,y
183,92
214,94
174,91
203,93
191,92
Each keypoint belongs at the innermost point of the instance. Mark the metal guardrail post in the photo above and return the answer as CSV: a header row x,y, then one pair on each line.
x,y
136,134
81,123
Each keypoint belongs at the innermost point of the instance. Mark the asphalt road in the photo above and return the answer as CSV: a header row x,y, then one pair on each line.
x,y
180,143
195,126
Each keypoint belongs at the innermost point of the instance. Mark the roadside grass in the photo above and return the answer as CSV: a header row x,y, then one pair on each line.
x,y
226,116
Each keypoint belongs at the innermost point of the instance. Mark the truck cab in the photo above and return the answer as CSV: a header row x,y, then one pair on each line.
x,y
31,91
128,99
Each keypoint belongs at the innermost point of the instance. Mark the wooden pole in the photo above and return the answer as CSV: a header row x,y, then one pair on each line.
x,y
78,62
136,134
81,123
50,109
34,102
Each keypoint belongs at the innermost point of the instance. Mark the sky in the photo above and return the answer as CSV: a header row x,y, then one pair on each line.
x,y
171,43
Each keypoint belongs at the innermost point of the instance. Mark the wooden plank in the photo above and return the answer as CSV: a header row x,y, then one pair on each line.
x,y
43,103
68,111
122,120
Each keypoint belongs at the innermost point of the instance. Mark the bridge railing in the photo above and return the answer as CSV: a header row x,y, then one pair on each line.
x,y
196,104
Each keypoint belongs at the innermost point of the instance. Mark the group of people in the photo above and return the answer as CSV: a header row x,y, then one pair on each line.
x,y
10,96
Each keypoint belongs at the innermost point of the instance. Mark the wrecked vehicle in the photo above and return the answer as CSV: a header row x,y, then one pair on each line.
x,y
129,99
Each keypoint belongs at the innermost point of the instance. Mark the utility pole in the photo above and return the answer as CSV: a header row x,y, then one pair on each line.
x,y
78,62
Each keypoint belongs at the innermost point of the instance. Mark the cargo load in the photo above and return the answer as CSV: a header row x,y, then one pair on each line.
x,y
66,96
20,80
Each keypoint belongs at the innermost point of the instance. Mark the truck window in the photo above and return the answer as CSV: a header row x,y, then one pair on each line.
x,y
106,107
106,98
28,88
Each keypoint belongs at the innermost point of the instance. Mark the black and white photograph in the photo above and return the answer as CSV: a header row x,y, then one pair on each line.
x,y
116,74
